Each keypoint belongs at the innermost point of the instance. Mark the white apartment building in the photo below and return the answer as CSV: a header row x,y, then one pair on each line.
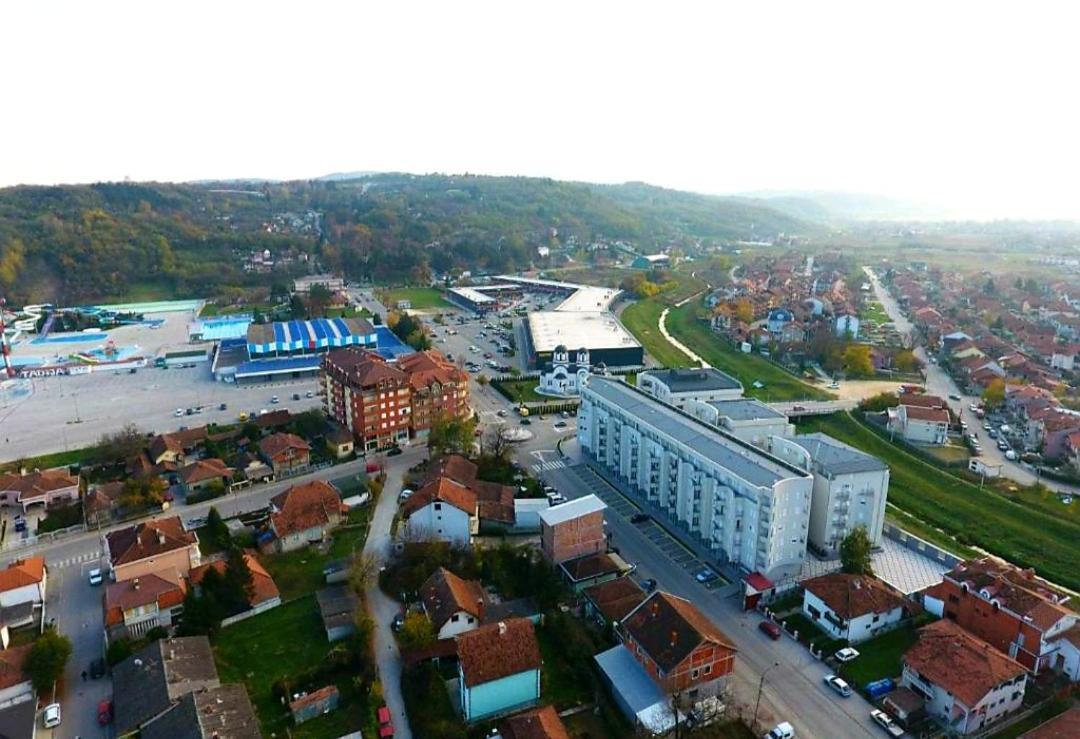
x,y
850,487
744,505
679,386
748,419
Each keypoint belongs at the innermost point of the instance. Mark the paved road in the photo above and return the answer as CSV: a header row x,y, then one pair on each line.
x,y
793,691
939,383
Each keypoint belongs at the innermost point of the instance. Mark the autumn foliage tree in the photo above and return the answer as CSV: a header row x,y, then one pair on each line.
x,y
857,360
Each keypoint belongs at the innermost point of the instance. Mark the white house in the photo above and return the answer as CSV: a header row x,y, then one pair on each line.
x,y
852,607
679,386
920,425
563,378
23,581
966,683
847,324
1067,660
850,487
453,604
746,418
442,510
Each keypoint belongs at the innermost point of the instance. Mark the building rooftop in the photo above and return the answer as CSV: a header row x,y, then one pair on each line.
x,y
745,409
700,379
148,539
305,506
1017,590
636,689
146,683
572,509
445,594
592,330
498,650
851,596
736,456
1062,726
833,457
222,712
22,572
615,598
952,659
670,628
538,723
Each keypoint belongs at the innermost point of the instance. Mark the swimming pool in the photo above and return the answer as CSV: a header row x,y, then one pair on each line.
x,y
71,338
216,329
157,306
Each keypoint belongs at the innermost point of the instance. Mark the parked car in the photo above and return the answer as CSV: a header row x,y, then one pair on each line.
x,y
525,422
404,495
104,712
50,717
97,668
837,683
309,394
885,721
771,629
223,406
394,451
296,396
386,726
954,396
20,524
560,424
846,654
640,518
398,623
705,575
178,412
275,399
1010,455
95,576
649,585
783,730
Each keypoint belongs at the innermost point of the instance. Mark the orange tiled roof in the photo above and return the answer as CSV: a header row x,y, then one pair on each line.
x,y
35,484
263,587
445,594
442,489
149,539
498,650
851,596
539,723
305,506
670,628
22,572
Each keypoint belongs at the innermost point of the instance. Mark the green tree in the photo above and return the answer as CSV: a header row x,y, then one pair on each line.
x,y
318,299
855,552
142,492
46,660
120,445
417,632
994,394
857,360
449,435
239,583
906,361
217,529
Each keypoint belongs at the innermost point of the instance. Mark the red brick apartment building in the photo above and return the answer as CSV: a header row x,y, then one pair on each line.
x,y
383,404
1018,613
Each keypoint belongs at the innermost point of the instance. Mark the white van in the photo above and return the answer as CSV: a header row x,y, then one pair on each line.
x,y
782,730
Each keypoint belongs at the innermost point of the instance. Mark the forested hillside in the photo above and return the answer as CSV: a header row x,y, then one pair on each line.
x,y
75,244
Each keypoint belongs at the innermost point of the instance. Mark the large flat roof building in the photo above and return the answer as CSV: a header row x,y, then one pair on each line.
x,y
286,338
741,503
679,386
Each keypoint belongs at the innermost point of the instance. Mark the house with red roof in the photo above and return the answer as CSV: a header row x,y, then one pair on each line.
x,y
47,488
538,723
285,453
919,425
203,473
24,582
304,514
498,669
161,546
851,607
134,606
15,685
442,510
966,683
454,605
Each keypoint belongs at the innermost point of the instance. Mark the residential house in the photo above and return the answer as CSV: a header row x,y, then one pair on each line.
x,y
1016,612
453,604
442,510
314,704
15,685
1067,659
337,608
134,606
851,607
610,601
285,453
263,594
252,468
847,325
340,442
46,488
99,502
592,569
161,546
222,712
150,682
538,723
304,514
677,386
204,473
495,504
24,581
19,720
498,669
573,529
920,425
966,683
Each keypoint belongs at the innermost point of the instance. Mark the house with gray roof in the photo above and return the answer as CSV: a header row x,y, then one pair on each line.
x,y
678,386
850,488
224,712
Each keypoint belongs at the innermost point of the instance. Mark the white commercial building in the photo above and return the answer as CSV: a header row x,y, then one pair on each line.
x,y
850,488
679,386
744,505
749,419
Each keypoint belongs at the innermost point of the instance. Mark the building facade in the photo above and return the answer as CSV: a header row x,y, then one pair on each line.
x,y
746,506
679,386
563,378
850,488
852,607
573,529
748,419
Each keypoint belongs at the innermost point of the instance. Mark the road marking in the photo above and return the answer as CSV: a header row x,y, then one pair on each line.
x,y
76,560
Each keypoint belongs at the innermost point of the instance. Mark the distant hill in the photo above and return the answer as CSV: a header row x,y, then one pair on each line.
x,y
823,206
74,244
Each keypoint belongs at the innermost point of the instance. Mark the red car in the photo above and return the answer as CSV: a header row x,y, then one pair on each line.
x,y
386,726
770,629
104,712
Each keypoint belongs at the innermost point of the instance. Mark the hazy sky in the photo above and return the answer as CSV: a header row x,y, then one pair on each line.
x,y
968,105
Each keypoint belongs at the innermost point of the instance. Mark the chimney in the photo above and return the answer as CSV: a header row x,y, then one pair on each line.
x,y
135,583
655,608
502,628
161,537
480,609
674,638
857,584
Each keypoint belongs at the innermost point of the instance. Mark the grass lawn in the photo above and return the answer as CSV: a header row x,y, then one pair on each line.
x,y
879,657
927,533
427,704
641,319
56,459
779,383
284,641
1021,531
300,573
953,454
874,312
421,298
524,391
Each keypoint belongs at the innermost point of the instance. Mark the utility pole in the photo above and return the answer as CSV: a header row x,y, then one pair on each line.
x,y
760,687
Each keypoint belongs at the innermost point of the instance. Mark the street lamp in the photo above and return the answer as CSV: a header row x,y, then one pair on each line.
x,y
761,685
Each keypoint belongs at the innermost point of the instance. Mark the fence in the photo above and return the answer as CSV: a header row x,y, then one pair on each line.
x,y
243,615
925,548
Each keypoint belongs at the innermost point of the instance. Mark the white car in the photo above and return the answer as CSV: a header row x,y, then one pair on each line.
x,y
783,730
838,684
1010,455
883,720
51,715
846,654
95,576
405,494
178,412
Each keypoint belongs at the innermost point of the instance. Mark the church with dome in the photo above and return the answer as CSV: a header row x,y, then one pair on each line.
x,y
562,378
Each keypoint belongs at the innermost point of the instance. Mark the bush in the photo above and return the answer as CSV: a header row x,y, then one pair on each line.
x,y
61,517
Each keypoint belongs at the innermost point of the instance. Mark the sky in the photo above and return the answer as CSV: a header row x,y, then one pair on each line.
x,y
968,107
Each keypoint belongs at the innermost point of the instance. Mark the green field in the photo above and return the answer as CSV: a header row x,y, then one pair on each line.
x,y
779,384
640,319
1025,531
421,298
285,641
879,657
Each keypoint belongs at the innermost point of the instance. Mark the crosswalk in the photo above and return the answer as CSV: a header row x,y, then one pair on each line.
x,y
76,560
556,464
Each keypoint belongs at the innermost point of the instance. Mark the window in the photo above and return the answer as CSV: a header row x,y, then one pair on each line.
x,y
454,618
707,669
438,506
876,618
694,673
